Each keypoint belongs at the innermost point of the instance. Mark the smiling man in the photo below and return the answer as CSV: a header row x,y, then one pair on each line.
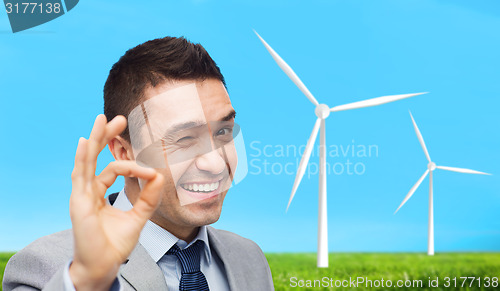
x,y
171,131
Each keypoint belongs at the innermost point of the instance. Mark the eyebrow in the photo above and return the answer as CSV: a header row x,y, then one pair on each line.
x,y
229,116
192,124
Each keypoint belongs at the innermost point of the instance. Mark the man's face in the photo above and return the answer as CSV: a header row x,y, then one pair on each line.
x,y
187,131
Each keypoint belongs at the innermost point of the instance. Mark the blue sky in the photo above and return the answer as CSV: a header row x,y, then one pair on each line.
x,y
51,80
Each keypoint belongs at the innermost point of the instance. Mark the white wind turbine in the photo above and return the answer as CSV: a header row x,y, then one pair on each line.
x,y
322,111
431,166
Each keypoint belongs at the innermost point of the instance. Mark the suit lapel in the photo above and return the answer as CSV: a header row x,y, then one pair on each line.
x,y
142,272
229,259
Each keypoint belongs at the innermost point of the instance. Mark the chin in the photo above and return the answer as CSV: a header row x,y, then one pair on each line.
x,y
203,217
206,211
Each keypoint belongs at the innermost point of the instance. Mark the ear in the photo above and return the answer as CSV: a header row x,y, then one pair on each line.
x,y
121,149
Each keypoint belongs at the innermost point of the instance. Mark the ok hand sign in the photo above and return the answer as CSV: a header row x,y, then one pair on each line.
x,y
105,236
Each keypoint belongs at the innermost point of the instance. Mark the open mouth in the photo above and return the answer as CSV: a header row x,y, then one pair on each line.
x,y
201,187
192,192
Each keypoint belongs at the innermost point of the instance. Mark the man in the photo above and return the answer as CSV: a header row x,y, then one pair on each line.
x,y
153,235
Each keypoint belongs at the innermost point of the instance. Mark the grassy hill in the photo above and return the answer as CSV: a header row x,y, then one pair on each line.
x,y
295,271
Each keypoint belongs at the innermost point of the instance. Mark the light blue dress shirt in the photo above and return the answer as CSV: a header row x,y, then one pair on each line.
x,y
157,241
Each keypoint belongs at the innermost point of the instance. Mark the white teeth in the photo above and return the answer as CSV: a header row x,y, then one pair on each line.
x,y
201,187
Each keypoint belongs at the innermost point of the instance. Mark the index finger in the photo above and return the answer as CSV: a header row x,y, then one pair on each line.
x,y
149,198
124,168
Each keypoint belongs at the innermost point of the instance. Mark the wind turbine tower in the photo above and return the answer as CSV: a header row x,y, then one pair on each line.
x,y
322,112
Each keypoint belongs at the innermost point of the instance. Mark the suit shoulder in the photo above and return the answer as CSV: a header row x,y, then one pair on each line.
x,y
57,244
36,263
233,239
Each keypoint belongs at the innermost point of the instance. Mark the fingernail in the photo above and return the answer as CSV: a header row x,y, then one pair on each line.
x,y
99,116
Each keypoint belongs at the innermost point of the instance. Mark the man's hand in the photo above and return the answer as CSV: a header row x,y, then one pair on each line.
x,y
105,236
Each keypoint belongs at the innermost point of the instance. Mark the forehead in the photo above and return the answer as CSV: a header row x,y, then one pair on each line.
x,y
178,100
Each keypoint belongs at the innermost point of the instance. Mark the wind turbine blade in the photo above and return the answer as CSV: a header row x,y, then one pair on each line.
x,y
461,170
420,138
412,190
304,160
290,73
373,102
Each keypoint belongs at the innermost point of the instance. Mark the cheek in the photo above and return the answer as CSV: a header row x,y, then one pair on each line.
x,y
179,169
165,172
232,156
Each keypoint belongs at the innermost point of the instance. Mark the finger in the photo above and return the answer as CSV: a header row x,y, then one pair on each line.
x,y
93,147
77,176
149,199
102,133
78,180
116,126
124,168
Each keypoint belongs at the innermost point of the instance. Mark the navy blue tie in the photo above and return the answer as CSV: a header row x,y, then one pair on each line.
x,y
192,278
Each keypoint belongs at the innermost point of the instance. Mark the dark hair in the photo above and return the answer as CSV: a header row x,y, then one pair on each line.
x,y
150,64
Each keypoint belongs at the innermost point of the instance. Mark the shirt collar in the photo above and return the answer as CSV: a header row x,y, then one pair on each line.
x,y
157,240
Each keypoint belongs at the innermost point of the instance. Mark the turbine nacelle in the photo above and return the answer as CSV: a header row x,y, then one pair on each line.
x,y
431,166
322,111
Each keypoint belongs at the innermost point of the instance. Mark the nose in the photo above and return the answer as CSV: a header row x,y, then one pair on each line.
x,y
212,162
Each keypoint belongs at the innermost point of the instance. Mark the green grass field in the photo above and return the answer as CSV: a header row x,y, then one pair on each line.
x,y
394,267
4,257
405,268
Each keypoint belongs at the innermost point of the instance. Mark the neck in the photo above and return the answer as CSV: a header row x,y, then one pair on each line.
x,y
186,233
